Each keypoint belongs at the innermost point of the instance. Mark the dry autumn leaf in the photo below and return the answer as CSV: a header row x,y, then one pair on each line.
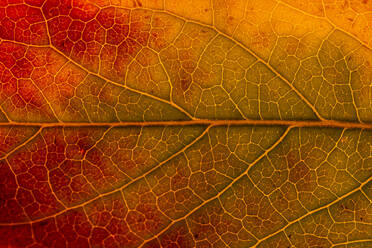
x,y
185,123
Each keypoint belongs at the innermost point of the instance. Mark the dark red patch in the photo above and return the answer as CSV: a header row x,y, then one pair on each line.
x,y
185,84
33,190
76,33
23,23
10,209
139,3
106,17
47,234
152,244
16,236
298,172
37,3
52,8
75,227
293,157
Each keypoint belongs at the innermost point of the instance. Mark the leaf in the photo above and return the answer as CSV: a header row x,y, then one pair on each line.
x,y
185,123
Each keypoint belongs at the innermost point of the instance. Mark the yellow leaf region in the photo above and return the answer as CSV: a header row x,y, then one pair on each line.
x,y
189,123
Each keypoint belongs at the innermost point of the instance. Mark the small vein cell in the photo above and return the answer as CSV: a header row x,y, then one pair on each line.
x,y
23,23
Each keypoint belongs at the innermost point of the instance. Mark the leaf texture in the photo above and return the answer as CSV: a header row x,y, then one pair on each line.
x,y
192,123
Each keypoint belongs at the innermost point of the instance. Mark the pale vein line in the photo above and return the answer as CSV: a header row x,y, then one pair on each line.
x,y
335,124
259,58
246,48
227,187
48,180
46,100
353,242
254,55
352,125
222,34
5,114
314,211
325,18
37,132
124,86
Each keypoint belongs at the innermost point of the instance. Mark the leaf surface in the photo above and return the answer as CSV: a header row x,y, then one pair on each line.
x,y
185,123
